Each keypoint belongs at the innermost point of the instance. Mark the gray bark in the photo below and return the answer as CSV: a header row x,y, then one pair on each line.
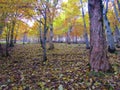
x,y
115,10
51,38
117,36
44,38
110,40
24,37
68,40
118,4
85,29
12,34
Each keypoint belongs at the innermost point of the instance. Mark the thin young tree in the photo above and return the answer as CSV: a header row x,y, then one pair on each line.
x,y
98,46
110,39
52,11
85,29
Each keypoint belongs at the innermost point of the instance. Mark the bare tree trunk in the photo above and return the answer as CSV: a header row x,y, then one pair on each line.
x,y
1,50
110,40
12,35
118,4
68,40
15,40
117,36
115,10
7,46
24,37
44,43
7,40
51,47
98,48
85,29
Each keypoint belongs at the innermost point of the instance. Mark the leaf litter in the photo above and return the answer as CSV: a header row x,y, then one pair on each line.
x,y
67,68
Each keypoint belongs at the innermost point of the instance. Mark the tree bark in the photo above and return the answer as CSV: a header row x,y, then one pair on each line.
x,y
116,12
1,50
117,36
12,35
110,40
7,40
68,40
24,37
118,4
98,48
44,38
15,40
51,47
85,29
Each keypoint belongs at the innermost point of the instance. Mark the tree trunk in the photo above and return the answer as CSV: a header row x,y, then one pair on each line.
x,y
76,39
1,50
68,35
110,40
7,46
117,36
44,43
44,37
51,47
116,12
118,4
12,35
85,29
24,37
98,48
7,40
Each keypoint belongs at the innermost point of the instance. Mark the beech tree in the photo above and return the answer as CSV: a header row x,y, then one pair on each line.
x,y
98,46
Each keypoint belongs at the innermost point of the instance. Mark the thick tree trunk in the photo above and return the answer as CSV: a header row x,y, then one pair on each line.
x,y
98,48
12,35
51,47
85,29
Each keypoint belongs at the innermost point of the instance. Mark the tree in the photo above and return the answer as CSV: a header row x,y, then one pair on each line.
x,y
42,9
51,16
118,4
110,40
98,52
85,29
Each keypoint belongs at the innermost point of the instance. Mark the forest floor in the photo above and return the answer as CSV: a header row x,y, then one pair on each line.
x,y
66,69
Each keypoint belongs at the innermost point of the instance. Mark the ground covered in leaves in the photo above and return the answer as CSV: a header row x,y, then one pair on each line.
x,y
66,69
